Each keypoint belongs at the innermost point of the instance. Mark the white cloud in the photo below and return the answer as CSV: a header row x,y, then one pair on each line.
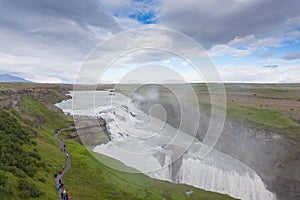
x,y
241,46
127,23
184,63
193,76
222,49
272,61
245,41
281,74
293,36
251,42
45,79
264,43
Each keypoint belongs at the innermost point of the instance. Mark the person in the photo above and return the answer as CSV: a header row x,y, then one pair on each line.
x,y
67,155
58,187
61,171
62,185
63,167
62,195
55,175
66,196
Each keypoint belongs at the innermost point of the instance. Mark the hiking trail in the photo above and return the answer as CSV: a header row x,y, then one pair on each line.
x,y
62,146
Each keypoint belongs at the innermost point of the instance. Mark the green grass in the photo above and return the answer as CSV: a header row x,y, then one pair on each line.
x,y
102,182
263,118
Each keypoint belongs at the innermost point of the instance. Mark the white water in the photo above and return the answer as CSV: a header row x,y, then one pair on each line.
x,y
134,142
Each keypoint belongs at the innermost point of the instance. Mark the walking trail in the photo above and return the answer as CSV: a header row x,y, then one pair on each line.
x,y
62,146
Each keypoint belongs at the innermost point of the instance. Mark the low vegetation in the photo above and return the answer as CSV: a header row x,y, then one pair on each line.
x,y
265,119
17,158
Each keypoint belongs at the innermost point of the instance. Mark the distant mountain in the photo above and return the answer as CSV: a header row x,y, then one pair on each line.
x,y
9,78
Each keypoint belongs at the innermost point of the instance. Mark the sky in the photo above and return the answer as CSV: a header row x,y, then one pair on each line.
x,y
247,40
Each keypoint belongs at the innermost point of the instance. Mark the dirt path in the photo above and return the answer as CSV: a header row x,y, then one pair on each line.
x,y
67,165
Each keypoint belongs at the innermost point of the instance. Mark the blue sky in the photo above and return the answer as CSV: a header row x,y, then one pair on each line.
x,y
247,40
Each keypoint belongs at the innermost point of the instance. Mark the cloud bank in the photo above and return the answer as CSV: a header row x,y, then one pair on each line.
x,y
47,41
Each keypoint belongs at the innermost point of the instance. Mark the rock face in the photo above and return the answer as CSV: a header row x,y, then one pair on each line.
x,y
275,157
92,130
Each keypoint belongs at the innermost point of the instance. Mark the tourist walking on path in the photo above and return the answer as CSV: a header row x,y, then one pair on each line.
x,y
61,191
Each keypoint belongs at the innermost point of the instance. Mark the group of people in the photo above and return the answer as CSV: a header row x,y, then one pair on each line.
x,y
60,187
63,149
64,194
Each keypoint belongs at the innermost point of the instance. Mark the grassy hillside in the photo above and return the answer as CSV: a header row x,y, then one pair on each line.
x,y
29,152
30,155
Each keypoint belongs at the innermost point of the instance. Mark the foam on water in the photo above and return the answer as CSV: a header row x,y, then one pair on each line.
x,y
135,142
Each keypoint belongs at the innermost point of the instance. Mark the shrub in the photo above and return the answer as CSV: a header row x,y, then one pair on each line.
x,y
5,190
28,190
30,170
42,179
13,157
34,155
3,179
14,170
41,164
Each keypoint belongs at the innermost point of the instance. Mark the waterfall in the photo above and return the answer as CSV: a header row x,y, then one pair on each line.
x,y
165,173
244,186
216,172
